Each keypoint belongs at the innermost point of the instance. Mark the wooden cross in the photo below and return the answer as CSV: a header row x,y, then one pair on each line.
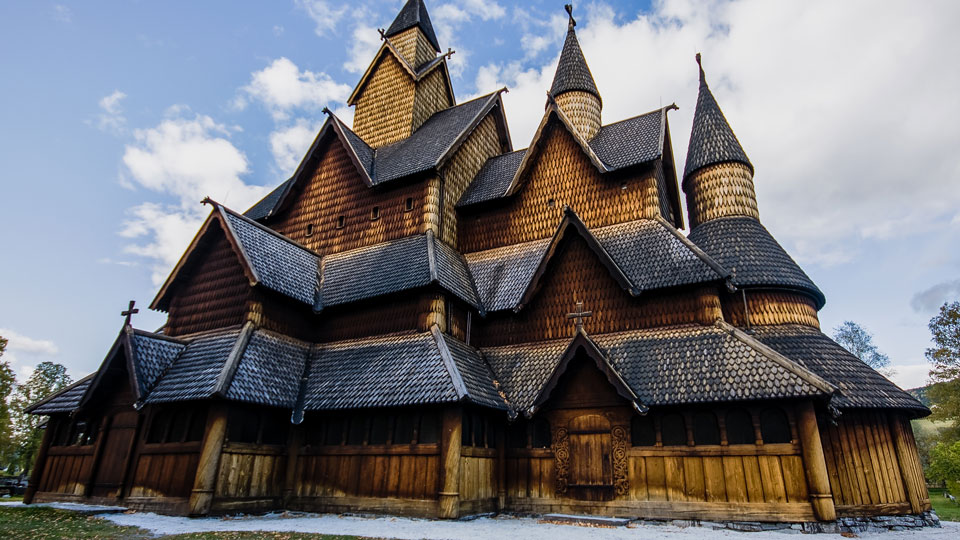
x,y
129,312
579,316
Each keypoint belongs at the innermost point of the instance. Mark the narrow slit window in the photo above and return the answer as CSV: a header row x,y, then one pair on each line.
x,y
375,213
310,230
408,206
739,426
341,221
705,428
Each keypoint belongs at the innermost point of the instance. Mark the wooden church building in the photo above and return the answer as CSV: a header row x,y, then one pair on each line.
x,y
424,320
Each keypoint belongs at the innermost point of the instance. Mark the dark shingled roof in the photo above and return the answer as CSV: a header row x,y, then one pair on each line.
x,y
394,266
269,371
711,140
860,385
278,263
651,254
618,145
152,355
414,13
666,366
573,73
195,372
396,370
755,259
263,207
64,401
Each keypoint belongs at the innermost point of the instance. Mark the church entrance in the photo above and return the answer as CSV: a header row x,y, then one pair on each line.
x,y
117,445
590,452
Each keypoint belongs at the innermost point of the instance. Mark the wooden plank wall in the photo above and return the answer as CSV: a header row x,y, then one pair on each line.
x,y
163,471
862,464
250,477
478,477
67,470
398,471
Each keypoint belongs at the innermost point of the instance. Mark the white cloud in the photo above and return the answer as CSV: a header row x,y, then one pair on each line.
x,y
851,131
929,300
364,43
111,119
911,375
282,87
184,159
323,14
62,13
21,350
289,144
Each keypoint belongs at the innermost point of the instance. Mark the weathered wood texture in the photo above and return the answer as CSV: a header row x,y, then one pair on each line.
x,y
450,445
384,108
721,190
583,110
911,470
769,307
208,466
250,477
862,462
457,174
814,463
562,175
431,96
399,471
577,274
335,190
165,470
413,46
214,294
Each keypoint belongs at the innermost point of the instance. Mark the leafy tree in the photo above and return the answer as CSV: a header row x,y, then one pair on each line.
x,y
859,342
8,382
945,356
47,378
945,464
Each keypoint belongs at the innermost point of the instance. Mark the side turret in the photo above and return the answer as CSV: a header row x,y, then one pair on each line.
x,y
573,87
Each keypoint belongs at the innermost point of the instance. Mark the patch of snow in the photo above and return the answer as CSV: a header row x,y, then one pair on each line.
x,y
85,508
489,527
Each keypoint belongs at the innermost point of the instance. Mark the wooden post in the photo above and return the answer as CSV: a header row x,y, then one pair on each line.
x,y
201,498
293,454
501,469
102,431
815,466
908,461
39,463
450,439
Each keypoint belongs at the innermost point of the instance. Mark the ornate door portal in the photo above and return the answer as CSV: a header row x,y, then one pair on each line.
x,y
591,458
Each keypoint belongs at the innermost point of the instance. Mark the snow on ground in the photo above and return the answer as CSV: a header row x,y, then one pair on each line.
x,y
502,527
85,508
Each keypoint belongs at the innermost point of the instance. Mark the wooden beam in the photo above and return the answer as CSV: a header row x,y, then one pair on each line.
x,y
39,463
815,466
450,439
201,497
102,430
907,459
501,467
293,454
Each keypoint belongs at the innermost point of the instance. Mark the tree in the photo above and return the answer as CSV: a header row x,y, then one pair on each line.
x,y
8,382
945,464
945,356
859,342
47,378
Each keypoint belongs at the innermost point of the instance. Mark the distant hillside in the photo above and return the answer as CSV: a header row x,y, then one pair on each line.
x,y
921,394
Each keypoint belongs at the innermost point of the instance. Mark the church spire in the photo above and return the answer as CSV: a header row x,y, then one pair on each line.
x,y
573,88
414,15
718,176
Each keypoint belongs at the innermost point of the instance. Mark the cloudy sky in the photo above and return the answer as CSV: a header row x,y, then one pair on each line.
x,y
117,118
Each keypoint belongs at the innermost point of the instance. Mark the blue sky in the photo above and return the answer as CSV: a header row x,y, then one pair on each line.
x,y
116,118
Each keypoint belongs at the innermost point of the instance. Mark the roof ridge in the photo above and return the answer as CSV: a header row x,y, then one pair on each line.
x,y
449,363
717,267
59,392
266,229
221,385
414,14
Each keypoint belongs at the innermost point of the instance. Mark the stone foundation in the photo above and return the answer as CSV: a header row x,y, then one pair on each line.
x,y
843,525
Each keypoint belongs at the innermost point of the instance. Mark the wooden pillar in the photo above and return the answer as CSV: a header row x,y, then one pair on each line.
x,y
814,464
502,469
909,462
38,464
450,439
205,481
293,454
102,431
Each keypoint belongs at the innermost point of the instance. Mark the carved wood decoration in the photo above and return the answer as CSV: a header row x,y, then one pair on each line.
x,y
620,480
561,452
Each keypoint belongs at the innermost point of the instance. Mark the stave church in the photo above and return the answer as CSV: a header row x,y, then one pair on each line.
x,y
425,320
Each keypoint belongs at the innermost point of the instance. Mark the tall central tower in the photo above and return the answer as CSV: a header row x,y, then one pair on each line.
x,y
573,88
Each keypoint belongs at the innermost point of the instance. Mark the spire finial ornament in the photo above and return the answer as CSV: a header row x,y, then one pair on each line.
x,y
572,22
703,78
579,315
129,312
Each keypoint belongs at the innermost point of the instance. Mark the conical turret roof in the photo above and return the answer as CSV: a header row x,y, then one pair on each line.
x,y
572,71
414,13
711,140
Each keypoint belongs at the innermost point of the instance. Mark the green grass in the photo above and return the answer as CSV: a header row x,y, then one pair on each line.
x,y
40,523
944,507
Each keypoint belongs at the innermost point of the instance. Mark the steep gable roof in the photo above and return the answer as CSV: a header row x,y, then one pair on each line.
x,y
415,74
711,139
414,14
65,400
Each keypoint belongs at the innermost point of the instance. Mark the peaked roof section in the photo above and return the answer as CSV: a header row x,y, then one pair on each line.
x,y
267,258
414,13
667,366
641,255
711,139
428,148
398,370
755,259
65,400
627,143
394,266
573,73
415,74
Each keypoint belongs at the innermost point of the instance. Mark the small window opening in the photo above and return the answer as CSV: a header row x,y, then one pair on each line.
x,y
541,433
623,186
551,202
774,426
375,213
642,431
517,435
740,427
673,430
705,428
309,230
341,221
408,206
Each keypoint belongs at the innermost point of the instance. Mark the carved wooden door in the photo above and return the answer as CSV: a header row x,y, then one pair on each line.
x,y
118,443
590,452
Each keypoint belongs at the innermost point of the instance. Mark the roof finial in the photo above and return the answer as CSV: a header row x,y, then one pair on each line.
x,y
572,22
703,78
